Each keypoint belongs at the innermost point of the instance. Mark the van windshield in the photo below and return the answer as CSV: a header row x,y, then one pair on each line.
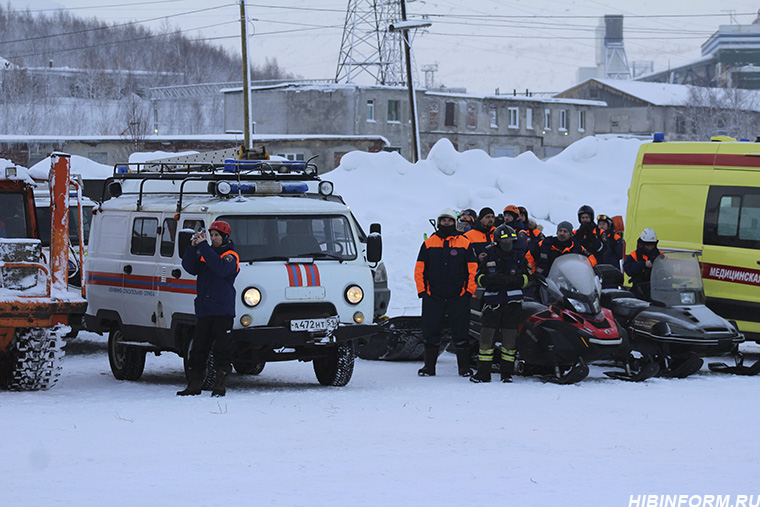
x,y
283,236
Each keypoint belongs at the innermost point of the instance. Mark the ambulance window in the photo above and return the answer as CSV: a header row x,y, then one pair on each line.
x,y
144,233
168,237
732,217
749,218
728,215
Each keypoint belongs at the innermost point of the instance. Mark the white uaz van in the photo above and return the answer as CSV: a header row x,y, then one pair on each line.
x,y
305,287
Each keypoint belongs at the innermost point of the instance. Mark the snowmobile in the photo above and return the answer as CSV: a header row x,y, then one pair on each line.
x,y
570,328
675,328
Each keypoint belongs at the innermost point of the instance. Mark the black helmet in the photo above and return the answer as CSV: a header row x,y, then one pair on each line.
x,y
586,210
504,237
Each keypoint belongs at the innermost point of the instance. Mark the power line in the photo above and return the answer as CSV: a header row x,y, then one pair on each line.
x,y
107,27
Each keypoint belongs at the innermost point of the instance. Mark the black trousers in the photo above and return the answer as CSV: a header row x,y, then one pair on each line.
x,y
433,312
211,332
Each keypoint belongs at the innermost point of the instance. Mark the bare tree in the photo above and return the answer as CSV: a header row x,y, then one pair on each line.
x,y
708,112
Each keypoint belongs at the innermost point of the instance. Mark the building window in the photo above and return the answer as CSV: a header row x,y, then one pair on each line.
x,y
504,152
393,111
547,119
433,115
493,116
593,93
680,125
563,119
450,120
581,121
292,156
529,118
514,118
370,110
472,116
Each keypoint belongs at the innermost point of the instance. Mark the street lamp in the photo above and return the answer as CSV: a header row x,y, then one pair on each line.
x,y
404,26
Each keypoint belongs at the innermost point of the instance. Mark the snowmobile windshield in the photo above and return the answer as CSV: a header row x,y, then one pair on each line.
x,y
572,277
677,280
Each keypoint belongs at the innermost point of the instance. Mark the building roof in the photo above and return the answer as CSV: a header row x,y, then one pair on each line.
x,y
664,94
657,94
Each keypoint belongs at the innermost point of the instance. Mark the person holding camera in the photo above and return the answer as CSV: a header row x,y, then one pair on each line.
x,y
216,265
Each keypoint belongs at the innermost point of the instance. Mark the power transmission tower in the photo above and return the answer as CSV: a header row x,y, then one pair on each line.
x,y
368,48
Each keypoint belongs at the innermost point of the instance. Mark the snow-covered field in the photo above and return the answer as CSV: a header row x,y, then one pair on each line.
x,y
390,437
387,438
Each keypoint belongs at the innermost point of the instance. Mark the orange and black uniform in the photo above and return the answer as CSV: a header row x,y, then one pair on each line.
x,y
445,278
480,238
550,248
635,267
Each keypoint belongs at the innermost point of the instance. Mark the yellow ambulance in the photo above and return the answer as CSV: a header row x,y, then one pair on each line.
x,y
705,196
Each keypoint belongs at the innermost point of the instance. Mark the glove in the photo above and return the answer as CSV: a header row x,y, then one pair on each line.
x,y
516,281
495,281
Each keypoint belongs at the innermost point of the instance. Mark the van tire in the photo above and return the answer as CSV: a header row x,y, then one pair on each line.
x,y
127,363
337,367
248,368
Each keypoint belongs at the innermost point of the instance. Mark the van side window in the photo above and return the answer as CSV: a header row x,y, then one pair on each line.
x,y
144,233
732,217
168,237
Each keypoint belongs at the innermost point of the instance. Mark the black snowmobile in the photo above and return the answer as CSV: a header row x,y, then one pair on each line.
x,y
675,329
398,339
570,329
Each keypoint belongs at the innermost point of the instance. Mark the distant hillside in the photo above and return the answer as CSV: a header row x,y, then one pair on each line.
x,y
60,74
64,40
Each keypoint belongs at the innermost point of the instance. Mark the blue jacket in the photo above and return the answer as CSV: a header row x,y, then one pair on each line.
x,y
216,269
508,288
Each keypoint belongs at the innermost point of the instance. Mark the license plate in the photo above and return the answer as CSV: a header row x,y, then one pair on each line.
x,y
312,325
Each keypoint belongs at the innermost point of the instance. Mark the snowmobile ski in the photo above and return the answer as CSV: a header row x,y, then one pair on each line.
x,y
572,376
684,369
739,369
647,371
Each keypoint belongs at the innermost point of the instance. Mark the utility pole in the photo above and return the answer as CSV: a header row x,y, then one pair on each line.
x,y
246,81
404,26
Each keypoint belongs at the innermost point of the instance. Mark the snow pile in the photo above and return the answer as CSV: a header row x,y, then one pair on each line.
x,y
402,197
83,166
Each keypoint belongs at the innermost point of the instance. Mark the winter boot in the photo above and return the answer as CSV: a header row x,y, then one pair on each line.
x,y
484,372
220,388
431,357
193,388
507,364
463,361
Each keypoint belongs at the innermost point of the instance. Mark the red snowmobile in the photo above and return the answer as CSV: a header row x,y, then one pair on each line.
x,y
570,328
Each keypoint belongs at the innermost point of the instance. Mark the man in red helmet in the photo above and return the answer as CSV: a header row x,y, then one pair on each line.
x,y
216,266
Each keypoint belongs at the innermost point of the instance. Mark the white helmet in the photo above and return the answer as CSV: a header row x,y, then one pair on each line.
x,y
649,236
447,213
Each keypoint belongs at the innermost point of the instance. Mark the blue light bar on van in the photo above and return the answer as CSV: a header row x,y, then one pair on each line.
x,y
268,188
659,137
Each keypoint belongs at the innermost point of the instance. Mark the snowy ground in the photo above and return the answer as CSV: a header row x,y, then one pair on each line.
x,y
390,437
387,438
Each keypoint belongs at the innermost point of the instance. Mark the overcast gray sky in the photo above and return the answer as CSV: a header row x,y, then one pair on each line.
x,y
478,44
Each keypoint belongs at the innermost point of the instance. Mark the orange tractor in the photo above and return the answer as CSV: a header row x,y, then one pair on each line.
x,y
35,303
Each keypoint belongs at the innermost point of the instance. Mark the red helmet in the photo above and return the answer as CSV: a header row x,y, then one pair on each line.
x,y
221,226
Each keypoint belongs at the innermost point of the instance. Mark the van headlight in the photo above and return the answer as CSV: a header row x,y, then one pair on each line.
x,y
354,294
251,296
